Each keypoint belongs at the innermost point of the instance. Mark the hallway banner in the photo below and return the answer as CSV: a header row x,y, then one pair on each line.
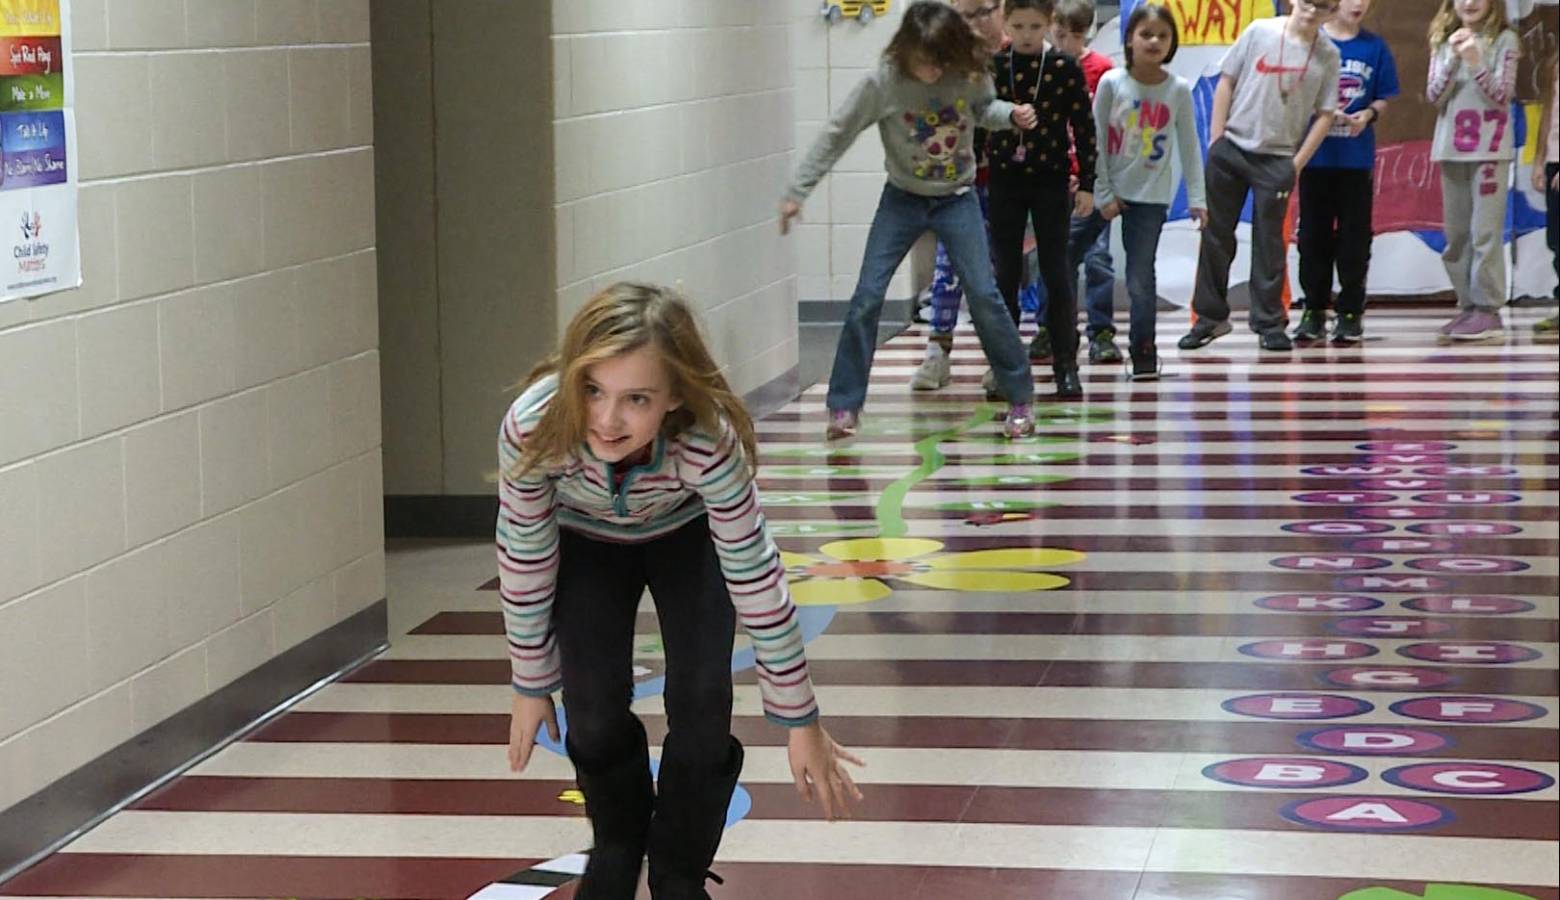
x,y
37,150
1407,208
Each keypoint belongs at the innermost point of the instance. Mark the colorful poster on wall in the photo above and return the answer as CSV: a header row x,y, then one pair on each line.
x,y
37,151
1405,256
1213,21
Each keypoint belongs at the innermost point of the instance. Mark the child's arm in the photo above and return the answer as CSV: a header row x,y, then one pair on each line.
x,y
1223,96
1085,146
1541,137
1190,151
754,575
1443,66
527,567
991,112
1104,98
1325,105
1497,78
863,107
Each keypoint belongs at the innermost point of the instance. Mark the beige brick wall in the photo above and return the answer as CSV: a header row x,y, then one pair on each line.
x,y
189,443
674,123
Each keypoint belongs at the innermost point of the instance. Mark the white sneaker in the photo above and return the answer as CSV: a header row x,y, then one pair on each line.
x,y
935,370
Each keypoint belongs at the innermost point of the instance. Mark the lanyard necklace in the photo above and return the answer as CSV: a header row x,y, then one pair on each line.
x,y
1283,39
1019,152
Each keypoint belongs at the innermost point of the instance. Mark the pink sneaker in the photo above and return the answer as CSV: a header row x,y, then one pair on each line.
x,y
1477,325
1020,421
1449,327
842,424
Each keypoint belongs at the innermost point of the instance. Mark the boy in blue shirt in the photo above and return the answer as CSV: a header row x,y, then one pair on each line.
x,y
1336,188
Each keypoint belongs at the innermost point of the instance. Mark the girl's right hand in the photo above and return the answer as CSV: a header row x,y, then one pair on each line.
x,y
526,715
789,209
1539,182
1110,210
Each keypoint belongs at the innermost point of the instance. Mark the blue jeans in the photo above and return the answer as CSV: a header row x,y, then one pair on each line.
x,y
1141,224
947,293
902,217
1088,242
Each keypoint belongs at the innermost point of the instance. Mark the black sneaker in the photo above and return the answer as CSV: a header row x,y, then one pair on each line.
x,y
1348,329
1067,384
1102,347
1276,339
1040,346
1203,334
1313,325
1145,363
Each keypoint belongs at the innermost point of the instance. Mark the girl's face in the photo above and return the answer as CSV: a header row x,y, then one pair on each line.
x,y
924,70
1472,12
1150,43
626,398
1027,28
985,19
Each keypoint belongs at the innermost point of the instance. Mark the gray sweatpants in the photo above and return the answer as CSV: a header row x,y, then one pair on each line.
x,y
1231,172
1473,200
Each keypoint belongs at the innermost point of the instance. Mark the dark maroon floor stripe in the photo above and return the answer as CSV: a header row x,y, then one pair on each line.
x,y
298,877
1483,817
955,484
1274,540
1174,624
1376,418
453,879
852,510
1246,738
1252,676
1205,435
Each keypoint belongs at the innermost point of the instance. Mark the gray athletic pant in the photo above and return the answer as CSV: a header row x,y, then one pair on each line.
x,y
1473,197
1231,173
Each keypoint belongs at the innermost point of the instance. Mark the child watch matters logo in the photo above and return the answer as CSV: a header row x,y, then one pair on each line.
x,y
32,254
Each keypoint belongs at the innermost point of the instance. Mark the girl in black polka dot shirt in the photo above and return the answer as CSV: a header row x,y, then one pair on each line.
x,y
1029,175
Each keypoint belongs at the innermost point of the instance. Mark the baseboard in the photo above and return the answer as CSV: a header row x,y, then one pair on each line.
x,y
814,311
473,515
68,808
441,515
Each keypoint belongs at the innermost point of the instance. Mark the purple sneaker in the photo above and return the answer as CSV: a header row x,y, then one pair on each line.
x,y
1477,325
842,424
1449,327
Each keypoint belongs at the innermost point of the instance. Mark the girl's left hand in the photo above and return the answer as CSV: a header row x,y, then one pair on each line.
x,y
1470,53
1083,204
817,765
1200,216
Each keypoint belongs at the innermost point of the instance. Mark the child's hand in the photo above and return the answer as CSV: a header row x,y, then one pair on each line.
x,y
1083,204
1110,210
816,763
1538,177
1024,117
526,715
1200,216
789,209
1358,122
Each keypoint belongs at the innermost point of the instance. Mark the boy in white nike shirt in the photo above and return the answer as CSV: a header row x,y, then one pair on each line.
x,y
1271,111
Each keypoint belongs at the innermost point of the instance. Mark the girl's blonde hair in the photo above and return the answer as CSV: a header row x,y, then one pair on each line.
x,y
1446,22
621,319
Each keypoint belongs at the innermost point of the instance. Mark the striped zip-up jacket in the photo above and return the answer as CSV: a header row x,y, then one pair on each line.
x,y
690,474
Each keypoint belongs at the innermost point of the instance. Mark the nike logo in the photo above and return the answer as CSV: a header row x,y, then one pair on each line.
x,y
1267,68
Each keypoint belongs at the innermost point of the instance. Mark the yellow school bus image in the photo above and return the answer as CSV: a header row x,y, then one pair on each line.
x,y
861,10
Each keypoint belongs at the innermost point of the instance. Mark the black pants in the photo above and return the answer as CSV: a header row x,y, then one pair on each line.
x,y
598,591
1552,217
1335,230
1044,200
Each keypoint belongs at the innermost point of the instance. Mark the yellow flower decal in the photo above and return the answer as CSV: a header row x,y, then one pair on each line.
x,y
853,571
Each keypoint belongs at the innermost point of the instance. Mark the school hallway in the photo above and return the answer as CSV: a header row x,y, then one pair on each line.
x,y
1276,627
